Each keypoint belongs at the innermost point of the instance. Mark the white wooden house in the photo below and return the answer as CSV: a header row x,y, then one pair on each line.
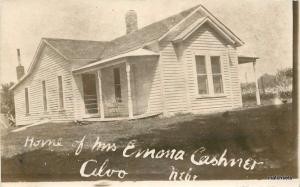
x,y
184,63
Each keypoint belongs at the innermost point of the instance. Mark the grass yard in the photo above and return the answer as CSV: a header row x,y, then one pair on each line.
x,y
266,134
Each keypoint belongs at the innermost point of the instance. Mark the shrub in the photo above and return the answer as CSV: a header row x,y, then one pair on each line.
x,y
285,94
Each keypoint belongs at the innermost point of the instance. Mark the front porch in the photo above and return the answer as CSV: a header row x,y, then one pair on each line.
x,y
118,89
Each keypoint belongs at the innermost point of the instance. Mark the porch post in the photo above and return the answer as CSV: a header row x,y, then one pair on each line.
x,y
130,107
256,85
101,108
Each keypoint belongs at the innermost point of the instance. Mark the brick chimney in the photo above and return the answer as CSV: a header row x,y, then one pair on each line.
x,y
131,21
20,69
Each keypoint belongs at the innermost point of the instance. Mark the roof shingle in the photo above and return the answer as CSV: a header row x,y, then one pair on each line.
x,y
144,35
78,49
96,50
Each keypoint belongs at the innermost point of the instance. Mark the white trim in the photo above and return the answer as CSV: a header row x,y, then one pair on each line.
x,y
210,15
229,58
257,94
181,47
212,18
36,55
162,86
196,74
116,63
190,30
52,47
134,53
100,94
35,60
209,75
163,36
210,96
129,92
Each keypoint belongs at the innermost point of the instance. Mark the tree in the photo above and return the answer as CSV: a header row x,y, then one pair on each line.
x,y
284,79
7,99
266,81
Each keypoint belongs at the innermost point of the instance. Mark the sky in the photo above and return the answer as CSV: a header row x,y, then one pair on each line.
x,y
264,26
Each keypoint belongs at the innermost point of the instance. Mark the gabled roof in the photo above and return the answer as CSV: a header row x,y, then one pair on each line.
x,y
69,50
144,35
94,51
84,49
191,29
77,49
195,20
190,19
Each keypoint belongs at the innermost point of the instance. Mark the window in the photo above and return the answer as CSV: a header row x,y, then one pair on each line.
x,y
209,75
60,92
201,75
216,74
27,100
117,83
44,95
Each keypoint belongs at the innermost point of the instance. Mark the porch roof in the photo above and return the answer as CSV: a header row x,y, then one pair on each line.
x,y
242,59
134,53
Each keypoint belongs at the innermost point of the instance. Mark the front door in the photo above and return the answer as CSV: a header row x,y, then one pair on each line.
x,y
90,93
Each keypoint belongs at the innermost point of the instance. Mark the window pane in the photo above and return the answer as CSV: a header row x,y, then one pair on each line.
x,y
117,75
60,92
218,85
202,84
200,64
44,95
215,64
117,82
26,100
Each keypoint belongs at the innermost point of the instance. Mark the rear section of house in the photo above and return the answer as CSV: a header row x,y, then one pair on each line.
x,y
47,92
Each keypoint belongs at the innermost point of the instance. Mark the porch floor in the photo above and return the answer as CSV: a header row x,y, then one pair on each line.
x,y
92,119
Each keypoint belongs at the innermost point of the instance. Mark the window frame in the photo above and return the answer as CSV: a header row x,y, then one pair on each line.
x,y
211,92
213,74
201,74
27,101
61,108
118,99
44,95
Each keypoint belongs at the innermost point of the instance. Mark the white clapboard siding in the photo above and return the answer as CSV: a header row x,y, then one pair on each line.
x,y
206,40
235,82
154,100
172,80
145,85
49,66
